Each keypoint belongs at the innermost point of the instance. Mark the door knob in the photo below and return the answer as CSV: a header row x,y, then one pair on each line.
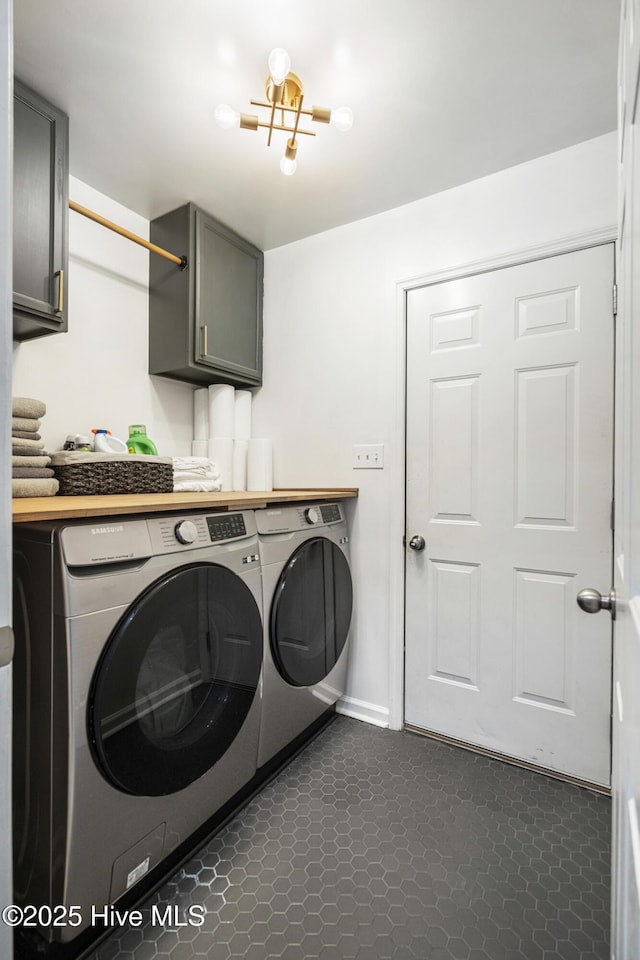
x,y
592,601
417,543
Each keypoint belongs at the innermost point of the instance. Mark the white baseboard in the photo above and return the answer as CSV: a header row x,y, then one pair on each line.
x,y
360,710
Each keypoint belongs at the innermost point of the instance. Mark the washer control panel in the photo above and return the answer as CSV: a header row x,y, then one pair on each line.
x,y
110,541
226,526
180,532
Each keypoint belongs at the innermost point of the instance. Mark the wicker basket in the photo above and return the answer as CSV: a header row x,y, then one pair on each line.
x,y
91,474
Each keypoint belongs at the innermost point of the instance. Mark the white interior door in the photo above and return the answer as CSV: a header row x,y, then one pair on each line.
x,y
509,483
625,914
6,325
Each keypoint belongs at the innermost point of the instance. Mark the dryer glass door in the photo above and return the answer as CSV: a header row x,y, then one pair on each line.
x,y
311,612
176,680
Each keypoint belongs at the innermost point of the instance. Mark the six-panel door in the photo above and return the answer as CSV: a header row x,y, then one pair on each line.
x,y
509,480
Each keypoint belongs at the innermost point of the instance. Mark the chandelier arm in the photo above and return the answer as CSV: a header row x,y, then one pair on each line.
x,y
276,126
273,113
263,103
295,126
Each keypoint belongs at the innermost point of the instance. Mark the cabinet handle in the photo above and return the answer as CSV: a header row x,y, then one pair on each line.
x,y
60,275
205,348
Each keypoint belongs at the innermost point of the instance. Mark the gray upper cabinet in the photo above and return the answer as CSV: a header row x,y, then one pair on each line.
x,y
205,322
40,216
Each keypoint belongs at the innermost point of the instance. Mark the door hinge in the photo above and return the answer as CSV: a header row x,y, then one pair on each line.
x,y
613,513
615,299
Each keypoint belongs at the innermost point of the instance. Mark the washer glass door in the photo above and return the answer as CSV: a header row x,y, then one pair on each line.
x,y
176,680
311,612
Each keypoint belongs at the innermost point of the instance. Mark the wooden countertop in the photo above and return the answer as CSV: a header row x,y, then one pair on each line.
x,y
61,508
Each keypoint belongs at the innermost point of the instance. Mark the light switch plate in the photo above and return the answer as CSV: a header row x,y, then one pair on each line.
x,y
368,456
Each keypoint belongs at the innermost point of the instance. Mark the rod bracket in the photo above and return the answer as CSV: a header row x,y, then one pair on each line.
x,y
183,263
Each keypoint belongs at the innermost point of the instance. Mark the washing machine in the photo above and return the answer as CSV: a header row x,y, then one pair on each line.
x,y
308,598
139,649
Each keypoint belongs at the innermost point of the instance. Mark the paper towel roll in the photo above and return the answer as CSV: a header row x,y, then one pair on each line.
x,y
221,410
201,414
221,452
260,465
240,452
242,415
199,448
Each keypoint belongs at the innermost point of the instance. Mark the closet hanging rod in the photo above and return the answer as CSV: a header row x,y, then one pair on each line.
x,y
180,261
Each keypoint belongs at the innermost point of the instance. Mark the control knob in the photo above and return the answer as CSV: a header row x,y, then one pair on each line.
x,y
186,531
311,515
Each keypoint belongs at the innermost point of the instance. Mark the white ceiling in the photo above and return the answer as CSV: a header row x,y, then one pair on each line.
x,y
443,92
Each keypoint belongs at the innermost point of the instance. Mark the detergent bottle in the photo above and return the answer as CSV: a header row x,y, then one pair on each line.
x,y
105,443
139,442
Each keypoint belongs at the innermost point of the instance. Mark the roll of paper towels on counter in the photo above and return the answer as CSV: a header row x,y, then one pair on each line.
x,y
201,415
199,448
260,465
222,410
240,454
221,452
242,430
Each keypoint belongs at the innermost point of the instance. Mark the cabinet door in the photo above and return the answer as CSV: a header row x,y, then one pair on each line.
x,y
40,214
228,302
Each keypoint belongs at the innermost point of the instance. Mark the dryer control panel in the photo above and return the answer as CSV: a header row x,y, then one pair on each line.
x,y
319,513
330,512
304,516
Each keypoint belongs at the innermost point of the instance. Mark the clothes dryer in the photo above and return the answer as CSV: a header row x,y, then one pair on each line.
x,y
139,648
308,599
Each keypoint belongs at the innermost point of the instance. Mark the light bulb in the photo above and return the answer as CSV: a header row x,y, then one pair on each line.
x,y
288,166
342,118
279,65
226,117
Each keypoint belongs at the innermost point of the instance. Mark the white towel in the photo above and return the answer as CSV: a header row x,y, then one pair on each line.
x,y
195,468
197,486
195,475
192,464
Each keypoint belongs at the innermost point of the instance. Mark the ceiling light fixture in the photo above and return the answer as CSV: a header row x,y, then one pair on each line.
x,y
284,94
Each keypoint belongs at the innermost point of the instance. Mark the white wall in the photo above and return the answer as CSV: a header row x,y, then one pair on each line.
x,y
333,351
333,357
96,374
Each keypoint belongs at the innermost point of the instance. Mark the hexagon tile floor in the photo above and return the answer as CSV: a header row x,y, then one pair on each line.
x,y
375,844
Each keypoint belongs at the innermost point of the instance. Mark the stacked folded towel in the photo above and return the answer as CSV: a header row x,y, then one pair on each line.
x,y
31,475
195,475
